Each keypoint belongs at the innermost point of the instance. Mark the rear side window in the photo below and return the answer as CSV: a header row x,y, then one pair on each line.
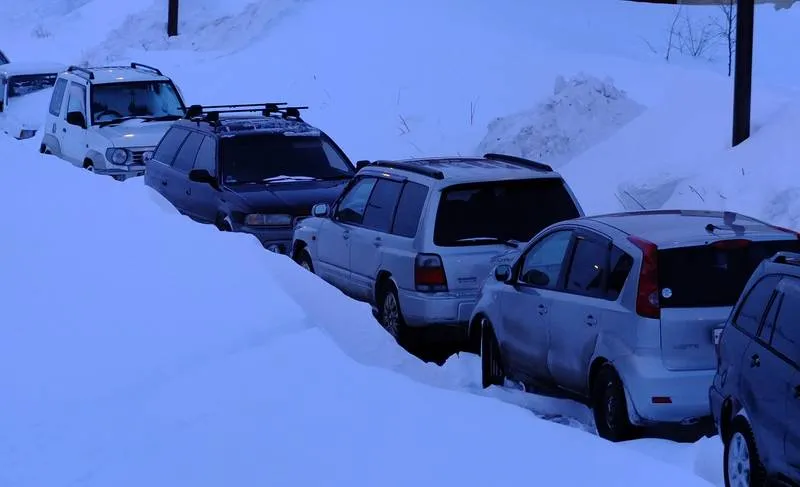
x,y
588,267
381,205
621,264
409,209
169,145
748,316
786,338
58,97
188,152
709,275
505,210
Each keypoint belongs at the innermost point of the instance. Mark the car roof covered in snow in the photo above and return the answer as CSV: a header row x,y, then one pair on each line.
x,y
670,228
15,68
231,125
118,74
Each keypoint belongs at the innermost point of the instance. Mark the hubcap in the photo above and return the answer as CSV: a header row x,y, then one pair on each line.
x,y
738,461
90,168
391,314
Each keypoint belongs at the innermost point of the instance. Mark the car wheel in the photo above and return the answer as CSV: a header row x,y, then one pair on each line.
x,y
741,463
88,166
609,406
305,261
492,373
390,315
224,225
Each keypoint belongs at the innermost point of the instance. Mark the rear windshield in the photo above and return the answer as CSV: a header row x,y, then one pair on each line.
x,y
482,213
25,84
703,276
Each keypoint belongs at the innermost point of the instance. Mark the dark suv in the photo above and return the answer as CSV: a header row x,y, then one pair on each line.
x,y
255,168
755,396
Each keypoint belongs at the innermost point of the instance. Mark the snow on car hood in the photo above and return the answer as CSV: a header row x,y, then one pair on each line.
x,y
26,111
135,133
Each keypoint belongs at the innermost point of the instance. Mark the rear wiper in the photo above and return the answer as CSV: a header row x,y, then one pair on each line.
x,y
508,242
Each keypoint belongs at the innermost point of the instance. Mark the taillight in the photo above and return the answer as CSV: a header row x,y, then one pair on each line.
x,y
429,273
738,243
647,304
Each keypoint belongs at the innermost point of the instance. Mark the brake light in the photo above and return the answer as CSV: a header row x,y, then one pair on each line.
x,y
429,273
647,304
731,244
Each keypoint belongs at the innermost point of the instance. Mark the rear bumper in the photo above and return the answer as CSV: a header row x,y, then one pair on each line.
x,y
437,309
659,395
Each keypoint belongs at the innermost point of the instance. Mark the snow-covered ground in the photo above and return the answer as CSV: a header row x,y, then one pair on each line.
x,y
141,348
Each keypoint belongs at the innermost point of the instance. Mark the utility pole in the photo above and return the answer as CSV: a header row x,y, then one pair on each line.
x,y
172,18
743,74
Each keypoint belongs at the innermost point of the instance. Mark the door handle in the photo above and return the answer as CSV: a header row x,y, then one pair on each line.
x,y
163,182
346,234
591,320
188,191
378,242
755,361
542,309
64,130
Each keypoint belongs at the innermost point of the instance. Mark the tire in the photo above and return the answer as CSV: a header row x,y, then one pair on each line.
x,y
492,373
389,314
224,225
610,408
88,166
741,463
304,260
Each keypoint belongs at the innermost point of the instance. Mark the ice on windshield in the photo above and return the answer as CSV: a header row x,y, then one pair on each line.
x,y
146,99
26,84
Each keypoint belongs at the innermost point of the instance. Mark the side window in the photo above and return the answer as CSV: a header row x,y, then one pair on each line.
x,y
207,155
77,98
409,209
588,267
381,205
621,264
351,208
765,333
748,316
786,338
169,145
186,155
542,265
335,159
58,97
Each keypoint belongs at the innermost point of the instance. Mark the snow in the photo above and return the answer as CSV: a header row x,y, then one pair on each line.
x,y
147,349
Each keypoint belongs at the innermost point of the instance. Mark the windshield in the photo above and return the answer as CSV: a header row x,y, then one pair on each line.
x,y
29,83
150,100
268,158
500,211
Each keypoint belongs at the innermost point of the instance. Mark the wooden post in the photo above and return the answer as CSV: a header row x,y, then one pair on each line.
x,y
743,75
172,18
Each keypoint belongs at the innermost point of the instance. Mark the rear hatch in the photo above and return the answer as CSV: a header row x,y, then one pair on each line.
x,y
699,286
477,224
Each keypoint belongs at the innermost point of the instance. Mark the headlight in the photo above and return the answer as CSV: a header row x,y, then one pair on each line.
x,y
117,156
258,219
147,155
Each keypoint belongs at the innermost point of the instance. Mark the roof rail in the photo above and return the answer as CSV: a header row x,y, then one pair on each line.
x,y
519,161
785,257
210,113
84,73
405,166
146,67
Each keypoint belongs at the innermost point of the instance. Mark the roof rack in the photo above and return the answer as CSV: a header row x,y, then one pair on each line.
x,y
784,257
83,72
146,67
406,166
210,113
518,160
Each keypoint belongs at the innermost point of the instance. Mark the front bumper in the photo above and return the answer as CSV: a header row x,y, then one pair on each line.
x,y
126,172
278,240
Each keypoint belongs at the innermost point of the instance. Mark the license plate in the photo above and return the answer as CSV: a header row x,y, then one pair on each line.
x,y
716,333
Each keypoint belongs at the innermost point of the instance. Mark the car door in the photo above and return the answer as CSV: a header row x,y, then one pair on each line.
x,y
55,118
333,237
177,175
202,198
577,313
367,240
524,333
156,175
72,134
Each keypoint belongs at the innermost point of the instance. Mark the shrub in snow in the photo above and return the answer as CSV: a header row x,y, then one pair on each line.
x,y
582,111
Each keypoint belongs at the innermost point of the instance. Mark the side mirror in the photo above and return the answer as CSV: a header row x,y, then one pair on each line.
x,y
320,210
202,176
77,119
502,273
361,165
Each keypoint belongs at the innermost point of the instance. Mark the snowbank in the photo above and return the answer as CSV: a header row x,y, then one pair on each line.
x,y
582,111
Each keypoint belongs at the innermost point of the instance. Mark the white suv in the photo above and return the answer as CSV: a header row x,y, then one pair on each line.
x,y
23,88
109,119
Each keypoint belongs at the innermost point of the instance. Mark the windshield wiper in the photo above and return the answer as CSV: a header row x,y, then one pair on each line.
x,y
279,179
163,118
116,121
489,240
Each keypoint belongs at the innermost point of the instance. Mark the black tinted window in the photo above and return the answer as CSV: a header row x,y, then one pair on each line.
x,y
380,208
206,155
786,338
507,210
169,145
748,316
351,208
186,155
409,209
706,275
58,97
588,267
621,264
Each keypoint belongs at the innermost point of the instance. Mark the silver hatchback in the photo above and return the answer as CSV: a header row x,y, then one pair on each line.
x,y
623,310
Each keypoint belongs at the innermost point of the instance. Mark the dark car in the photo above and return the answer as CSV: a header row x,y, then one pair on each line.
x,y
254,168
755,396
